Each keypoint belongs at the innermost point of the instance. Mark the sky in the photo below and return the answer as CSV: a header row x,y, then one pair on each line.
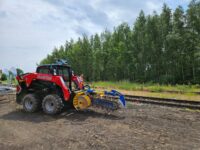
x,y
30,29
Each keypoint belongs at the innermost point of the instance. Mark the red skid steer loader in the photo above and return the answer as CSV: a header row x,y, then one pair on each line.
x,y
54,86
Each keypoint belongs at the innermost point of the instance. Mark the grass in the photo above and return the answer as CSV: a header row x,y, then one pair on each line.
x,y
125,85
182,92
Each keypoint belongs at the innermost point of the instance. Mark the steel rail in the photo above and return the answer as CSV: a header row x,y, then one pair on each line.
x,y
164,101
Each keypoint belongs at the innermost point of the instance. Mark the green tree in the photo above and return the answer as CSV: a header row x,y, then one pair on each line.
x,y
162,48
3,77
19,71
193,36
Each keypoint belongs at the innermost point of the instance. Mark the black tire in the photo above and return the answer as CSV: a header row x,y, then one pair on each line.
x,y
31,103
52,104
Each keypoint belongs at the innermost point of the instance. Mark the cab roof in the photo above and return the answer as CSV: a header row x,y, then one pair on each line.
x,y
53,65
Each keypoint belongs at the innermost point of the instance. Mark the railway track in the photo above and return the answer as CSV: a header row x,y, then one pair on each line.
x,y
8,85
164,101
7,93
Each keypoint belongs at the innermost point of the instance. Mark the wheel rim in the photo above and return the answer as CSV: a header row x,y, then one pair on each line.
x,y
49,105
28,104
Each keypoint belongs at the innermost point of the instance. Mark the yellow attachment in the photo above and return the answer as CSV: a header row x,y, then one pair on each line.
x,y
101,93
81,101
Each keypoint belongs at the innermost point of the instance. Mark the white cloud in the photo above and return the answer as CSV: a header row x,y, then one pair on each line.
x,y
29,30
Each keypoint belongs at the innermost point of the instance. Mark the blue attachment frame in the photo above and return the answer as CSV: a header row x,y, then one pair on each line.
x,y
90,91
116,93
112,93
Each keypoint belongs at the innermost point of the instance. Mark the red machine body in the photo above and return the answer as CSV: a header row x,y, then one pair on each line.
x,y
58,80
79,81
53,77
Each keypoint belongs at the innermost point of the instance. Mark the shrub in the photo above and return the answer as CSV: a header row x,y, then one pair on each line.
x,y
3,77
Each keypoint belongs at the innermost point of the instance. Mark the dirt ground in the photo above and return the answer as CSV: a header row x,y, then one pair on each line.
x,y
137,127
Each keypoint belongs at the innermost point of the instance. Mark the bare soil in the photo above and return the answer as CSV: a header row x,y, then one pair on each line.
x,y
139,126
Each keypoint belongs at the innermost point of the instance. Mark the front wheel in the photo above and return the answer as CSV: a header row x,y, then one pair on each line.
x,y
52,104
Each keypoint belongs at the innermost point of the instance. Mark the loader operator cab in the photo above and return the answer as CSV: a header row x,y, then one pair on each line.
x,y
71,81
54,69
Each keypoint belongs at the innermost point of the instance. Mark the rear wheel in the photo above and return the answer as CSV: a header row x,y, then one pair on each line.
x,y
52,104
31,103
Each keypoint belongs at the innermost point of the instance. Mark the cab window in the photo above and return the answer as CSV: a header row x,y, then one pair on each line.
x,y
63,71
44,70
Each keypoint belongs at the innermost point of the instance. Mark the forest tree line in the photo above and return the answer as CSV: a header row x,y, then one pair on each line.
x,y
162,48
